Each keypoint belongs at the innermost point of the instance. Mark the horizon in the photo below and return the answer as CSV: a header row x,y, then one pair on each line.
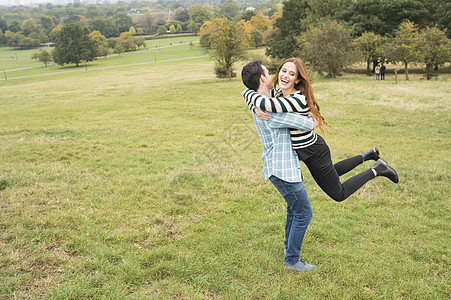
x,y
9,3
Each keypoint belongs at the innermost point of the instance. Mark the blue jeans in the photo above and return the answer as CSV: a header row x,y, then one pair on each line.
x,y
299,216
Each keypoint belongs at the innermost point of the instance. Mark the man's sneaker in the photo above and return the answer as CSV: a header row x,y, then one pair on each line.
x,y
300,266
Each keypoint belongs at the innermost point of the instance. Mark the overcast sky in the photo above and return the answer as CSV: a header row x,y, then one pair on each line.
x,y
21,2
28,2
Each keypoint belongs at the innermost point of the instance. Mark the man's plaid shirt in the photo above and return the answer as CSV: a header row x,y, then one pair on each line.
x,y
279,157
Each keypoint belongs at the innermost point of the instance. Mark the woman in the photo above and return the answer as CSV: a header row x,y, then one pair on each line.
x,y
377,70
297,93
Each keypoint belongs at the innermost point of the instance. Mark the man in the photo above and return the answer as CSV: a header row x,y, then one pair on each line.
x,y
383,71
281,164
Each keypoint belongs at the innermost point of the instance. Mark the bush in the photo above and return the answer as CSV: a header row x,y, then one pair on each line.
x,y
221,71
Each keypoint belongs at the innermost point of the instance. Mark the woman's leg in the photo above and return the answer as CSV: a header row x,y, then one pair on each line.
x,y
326,176
348,164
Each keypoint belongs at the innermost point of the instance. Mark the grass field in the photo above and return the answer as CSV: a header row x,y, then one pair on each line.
x,y
144,182
16,64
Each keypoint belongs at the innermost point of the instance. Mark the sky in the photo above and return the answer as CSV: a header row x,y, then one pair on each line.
x,y
28,2
22,2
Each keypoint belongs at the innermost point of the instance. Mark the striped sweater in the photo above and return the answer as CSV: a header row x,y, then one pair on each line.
x,y
293,103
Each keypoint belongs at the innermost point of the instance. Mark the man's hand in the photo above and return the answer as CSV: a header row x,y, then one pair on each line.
x,y
263,115
314,120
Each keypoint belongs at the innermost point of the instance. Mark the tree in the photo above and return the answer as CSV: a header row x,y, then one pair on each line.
x,y
292,23
228,43
436,49
92,11
74,45
320,9
132,30
123,22
328,47
106,26
119,48
383,16
172,23
140,42
442,17
371,48
43,38
28,42
46,24
3,25
161,30
260,23
148,22
405,46
14,26
204,33
28,27
248,14
100,41
297,17
229,9
3,39
15,39
72,18
256,38
179,28
159,7
44,57
198,15
53,35
183,17
127,42
172,29
146,9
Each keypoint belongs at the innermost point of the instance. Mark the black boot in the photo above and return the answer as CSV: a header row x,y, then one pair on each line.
x,y
383,169
372,154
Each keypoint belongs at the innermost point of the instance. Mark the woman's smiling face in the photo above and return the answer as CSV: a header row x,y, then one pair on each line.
x,y
288,77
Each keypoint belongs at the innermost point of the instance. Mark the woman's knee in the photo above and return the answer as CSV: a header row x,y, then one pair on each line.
x,y
339,197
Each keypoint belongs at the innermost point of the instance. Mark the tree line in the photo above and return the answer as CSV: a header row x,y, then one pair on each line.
x,y
328,34
26,27
331,35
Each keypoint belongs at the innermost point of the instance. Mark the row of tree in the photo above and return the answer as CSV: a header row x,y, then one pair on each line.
x,y
333,34
378,16
111,20
332,46
76,44
322,32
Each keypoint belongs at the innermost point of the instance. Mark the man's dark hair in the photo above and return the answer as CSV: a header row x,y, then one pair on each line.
x,y
251,74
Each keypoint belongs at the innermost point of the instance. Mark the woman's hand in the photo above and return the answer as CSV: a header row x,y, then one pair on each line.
x,y
316,124
263,115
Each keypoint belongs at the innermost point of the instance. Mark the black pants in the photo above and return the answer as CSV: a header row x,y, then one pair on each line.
x,y
327,174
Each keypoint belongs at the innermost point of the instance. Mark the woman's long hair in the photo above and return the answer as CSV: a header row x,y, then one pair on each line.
x,y
305,87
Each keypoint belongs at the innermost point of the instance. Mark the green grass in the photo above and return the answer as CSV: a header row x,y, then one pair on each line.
x,y
145,182
156,51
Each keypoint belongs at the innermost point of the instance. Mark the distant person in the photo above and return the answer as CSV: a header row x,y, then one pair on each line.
x,y
311,148
281,165
377,70
383,71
